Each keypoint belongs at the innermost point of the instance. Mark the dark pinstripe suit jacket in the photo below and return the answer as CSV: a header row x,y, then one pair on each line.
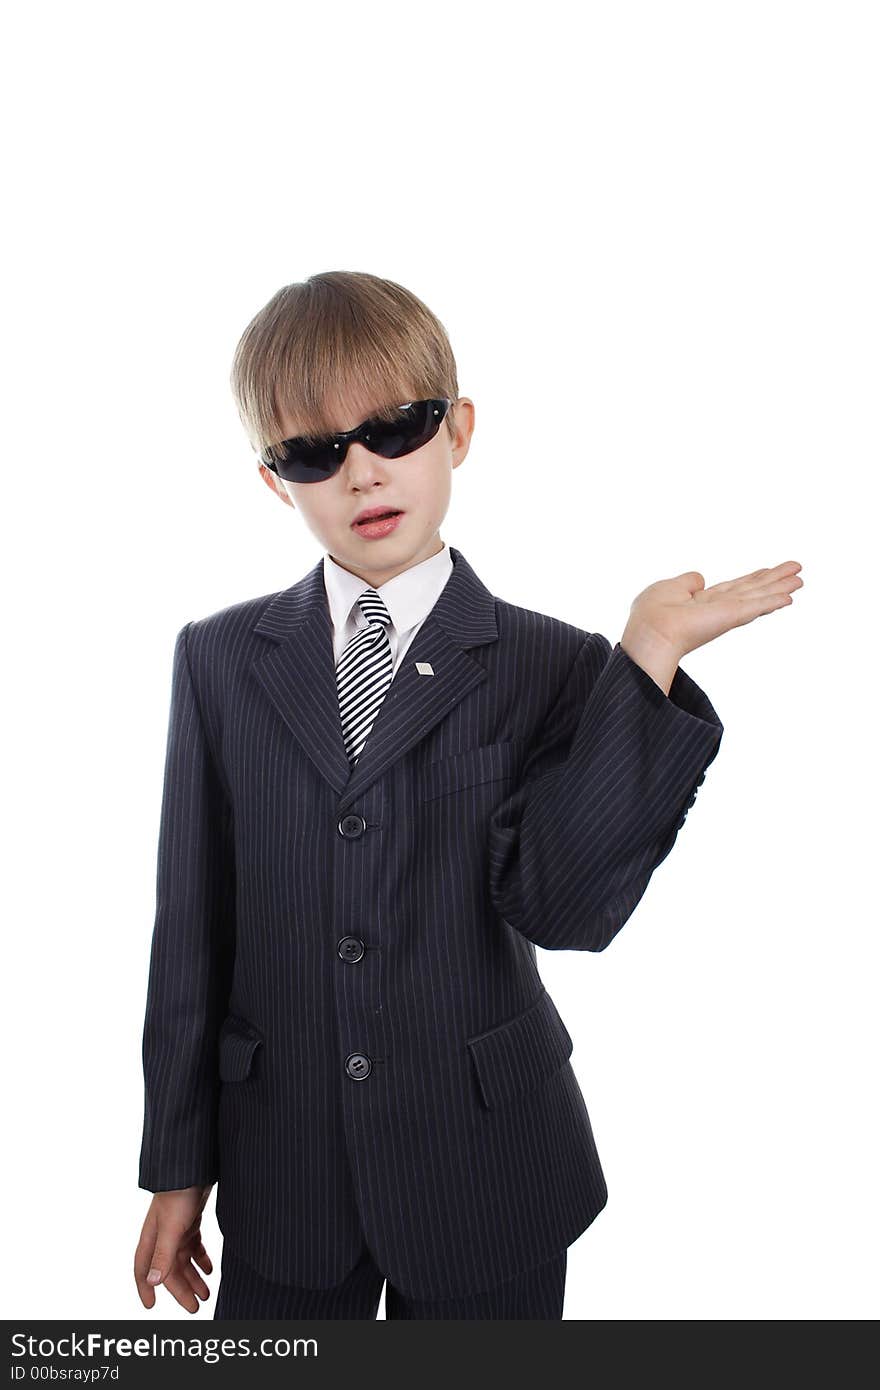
x,y
345,1023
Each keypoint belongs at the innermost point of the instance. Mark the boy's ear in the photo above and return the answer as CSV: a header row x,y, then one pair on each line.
x,y
272,480
464,419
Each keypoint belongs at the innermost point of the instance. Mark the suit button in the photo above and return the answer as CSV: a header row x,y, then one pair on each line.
x,y
351,826
350,948
358,1066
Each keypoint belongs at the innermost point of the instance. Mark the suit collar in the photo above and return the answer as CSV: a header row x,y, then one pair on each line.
x,y
298,673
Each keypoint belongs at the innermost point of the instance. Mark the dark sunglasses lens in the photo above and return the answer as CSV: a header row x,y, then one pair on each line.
x,y
413,426
418,423
308,463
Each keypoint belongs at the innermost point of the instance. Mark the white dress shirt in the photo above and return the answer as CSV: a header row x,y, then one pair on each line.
x,y
409,598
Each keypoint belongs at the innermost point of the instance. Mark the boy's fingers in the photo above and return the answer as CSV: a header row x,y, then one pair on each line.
x,y
196,1282
178,1287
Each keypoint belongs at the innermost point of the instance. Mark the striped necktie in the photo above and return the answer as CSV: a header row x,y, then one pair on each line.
x,y
363,674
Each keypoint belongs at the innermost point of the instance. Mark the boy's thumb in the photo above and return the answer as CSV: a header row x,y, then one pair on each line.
x,y
159,1265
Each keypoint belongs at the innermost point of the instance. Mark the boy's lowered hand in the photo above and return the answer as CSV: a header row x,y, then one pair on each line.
x,y
171,1246
672,617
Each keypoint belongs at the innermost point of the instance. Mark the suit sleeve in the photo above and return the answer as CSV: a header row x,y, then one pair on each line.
x,y
603,795
191,953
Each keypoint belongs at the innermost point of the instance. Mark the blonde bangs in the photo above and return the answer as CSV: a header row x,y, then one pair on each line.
x,y
343,345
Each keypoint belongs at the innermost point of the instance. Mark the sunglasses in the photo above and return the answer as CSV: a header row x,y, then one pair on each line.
x,y
304,462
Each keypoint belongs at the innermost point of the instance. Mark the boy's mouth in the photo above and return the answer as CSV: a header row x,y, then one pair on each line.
x,y
378,524
376,514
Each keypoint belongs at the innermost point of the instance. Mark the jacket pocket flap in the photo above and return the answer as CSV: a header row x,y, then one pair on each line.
x,y
489,762
516,1056
238,1043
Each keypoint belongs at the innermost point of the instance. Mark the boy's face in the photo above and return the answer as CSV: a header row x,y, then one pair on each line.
x,y
419,485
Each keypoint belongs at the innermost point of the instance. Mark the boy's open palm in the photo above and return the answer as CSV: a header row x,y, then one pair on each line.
x,y
171,1246
682,614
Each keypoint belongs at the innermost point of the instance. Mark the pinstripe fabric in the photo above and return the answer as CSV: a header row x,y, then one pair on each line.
x,y
363,674
533,1293
345,1023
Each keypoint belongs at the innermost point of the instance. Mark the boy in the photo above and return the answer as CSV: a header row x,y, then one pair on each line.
x,y
383,788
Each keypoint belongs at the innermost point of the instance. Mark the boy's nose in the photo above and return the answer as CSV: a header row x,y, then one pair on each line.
x,y
359,460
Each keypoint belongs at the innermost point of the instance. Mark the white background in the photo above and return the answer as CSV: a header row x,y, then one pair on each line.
x,y
651,231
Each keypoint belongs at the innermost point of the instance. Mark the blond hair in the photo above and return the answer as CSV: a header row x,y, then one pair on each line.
x,y
340,336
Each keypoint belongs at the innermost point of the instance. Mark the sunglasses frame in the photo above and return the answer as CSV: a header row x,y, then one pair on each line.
x,y
360,434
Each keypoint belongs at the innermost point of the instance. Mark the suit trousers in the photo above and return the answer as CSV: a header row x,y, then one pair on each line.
x,y
243,1293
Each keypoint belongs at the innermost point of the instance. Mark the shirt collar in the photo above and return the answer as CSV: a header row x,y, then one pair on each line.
x,y
409,596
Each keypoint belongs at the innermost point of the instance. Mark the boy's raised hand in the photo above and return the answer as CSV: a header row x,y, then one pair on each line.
x,y
677,615
171,1245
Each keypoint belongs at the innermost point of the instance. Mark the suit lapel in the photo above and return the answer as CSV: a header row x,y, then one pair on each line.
x,y
299,675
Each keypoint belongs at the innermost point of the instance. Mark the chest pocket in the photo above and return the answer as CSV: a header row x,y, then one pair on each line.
x,y
489,762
